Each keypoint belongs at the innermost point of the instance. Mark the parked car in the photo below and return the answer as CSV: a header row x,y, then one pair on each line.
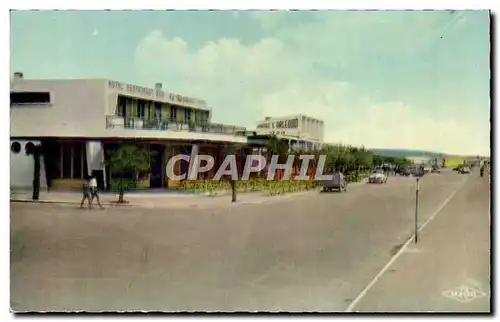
x,y
464,170
377,176
427,169
418,171
338,182
403,171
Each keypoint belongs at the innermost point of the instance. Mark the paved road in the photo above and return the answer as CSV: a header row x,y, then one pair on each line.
x,y
314,253
448,270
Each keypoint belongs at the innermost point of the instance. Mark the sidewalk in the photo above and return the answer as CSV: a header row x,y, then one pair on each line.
x,y
166,199
449,269
158,200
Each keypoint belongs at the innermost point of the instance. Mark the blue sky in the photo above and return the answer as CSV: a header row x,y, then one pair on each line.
x,y
386,79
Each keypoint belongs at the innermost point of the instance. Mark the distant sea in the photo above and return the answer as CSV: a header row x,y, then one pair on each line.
x,y
406,153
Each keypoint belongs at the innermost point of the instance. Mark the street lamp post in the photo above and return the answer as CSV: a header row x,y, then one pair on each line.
x,y
416,210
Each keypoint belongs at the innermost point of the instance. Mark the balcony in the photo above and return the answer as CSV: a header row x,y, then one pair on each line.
x,y
114,121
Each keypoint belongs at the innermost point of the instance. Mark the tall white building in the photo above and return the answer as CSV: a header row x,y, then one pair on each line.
x,y
302,131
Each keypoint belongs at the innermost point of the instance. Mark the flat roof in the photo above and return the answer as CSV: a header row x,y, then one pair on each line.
x,y
277,118
131,90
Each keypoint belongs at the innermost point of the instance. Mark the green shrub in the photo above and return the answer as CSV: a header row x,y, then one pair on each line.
x,y
128,184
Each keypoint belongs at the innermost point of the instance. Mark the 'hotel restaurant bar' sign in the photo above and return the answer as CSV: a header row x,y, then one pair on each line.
x,y
157,94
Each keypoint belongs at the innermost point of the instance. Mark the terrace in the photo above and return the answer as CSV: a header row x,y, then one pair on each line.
x,y
144,123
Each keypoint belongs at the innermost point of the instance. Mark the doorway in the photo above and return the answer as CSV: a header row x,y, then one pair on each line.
x,y
156,180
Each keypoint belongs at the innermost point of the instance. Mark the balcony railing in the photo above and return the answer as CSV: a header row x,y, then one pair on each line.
x,y
114,121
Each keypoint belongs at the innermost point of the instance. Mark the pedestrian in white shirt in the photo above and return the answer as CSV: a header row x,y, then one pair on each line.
x,y
94,191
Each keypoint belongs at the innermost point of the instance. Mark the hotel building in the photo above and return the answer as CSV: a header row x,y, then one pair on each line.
x,y
77,121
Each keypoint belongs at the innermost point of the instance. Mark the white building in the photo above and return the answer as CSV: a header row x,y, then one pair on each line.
x,y
302,131
420,160
77,121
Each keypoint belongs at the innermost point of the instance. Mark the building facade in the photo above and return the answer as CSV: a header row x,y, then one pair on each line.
x,y
303,132
79,120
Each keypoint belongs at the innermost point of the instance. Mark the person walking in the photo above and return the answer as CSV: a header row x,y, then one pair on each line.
x,y
86,192
94,191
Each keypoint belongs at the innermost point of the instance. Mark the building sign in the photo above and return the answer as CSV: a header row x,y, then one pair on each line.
x,y
155,94
281,124
286,128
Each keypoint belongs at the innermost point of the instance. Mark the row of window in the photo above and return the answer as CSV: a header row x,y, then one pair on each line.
x,y
20,98
128,107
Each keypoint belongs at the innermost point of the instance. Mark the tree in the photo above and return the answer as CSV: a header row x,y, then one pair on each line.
x,y
361,158
128,160
277,146
36,152
232,149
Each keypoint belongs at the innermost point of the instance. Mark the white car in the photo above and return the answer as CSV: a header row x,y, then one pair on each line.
x,y
464,170
377,176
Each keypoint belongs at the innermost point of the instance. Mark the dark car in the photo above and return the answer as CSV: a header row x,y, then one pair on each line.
x,y
418,171
338,182
403,171
435,169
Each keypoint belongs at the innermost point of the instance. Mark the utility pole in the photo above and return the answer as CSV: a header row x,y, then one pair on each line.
x,y
416,210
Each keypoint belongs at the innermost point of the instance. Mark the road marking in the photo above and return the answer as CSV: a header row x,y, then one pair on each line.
x,y
412,250
358,298
463,294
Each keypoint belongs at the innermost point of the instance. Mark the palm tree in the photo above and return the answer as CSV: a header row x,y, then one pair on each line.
x,y
128,159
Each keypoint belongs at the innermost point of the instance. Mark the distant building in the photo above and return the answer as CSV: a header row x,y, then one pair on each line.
x,y
303,132
420,160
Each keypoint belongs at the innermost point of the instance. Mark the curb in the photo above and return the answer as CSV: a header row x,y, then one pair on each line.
x,y
263,198
67,202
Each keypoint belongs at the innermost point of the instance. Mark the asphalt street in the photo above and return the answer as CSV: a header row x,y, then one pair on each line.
x,y
307,254
448,269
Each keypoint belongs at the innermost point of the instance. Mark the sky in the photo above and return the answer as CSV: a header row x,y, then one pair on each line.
x,y
381,79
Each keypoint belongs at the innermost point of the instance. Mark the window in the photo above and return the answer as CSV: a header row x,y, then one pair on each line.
x,y
145,110
157,114
77,161
181,114
69,161
121,105
19,98
15,147
66,161
139,107
173,113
